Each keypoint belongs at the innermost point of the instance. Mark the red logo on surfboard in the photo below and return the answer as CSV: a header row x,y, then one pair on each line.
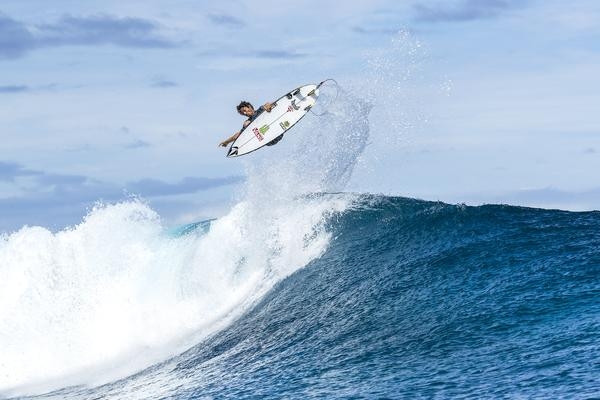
x,y
257,134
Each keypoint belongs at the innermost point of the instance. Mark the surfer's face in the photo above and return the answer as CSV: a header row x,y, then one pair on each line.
x,y
247,111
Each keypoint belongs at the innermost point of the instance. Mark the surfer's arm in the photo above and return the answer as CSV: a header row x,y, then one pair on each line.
x,y
230,139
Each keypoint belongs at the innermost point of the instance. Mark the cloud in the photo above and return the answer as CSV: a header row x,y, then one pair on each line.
x,y
154,187
103,29
267,54
45,179
137,144
13,89
58,200
9,171
277,54
163,83
59,205
16,39
226,20
38,180
375,31
41,181
466,10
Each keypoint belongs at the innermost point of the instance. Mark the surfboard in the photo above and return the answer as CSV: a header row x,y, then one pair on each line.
x,y
268,126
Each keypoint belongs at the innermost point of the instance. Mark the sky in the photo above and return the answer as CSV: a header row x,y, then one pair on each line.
x,y
473,101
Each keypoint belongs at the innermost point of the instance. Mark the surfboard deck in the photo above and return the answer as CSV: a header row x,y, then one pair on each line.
x,y
287,111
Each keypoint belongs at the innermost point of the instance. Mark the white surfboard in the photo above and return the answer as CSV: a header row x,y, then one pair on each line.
x,y
288,110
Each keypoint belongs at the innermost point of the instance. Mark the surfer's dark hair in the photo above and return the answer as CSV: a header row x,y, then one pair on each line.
x,y
243,104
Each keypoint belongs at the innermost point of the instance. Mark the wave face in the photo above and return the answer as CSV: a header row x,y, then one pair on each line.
x,y
409,299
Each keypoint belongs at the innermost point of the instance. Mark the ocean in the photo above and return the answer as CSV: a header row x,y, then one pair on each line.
x,y
390,298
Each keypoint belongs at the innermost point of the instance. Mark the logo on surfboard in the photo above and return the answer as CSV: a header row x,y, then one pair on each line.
x,y
259,132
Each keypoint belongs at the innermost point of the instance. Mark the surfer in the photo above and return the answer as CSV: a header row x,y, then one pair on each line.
x,y
246,109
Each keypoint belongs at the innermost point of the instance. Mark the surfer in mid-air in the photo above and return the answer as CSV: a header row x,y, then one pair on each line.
x,y
246,109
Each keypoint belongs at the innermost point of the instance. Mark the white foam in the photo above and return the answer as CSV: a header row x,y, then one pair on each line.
x,y
117,290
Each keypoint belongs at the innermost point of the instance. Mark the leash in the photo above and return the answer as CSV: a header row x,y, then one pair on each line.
x,y
337,92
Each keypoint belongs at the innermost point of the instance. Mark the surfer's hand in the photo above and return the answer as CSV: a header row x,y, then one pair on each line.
x,y
268,107
223,144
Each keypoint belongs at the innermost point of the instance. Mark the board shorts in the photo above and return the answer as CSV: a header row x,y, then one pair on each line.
x,y
275,141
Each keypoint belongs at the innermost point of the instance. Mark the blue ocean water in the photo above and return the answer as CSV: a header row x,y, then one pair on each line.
x,y
409,299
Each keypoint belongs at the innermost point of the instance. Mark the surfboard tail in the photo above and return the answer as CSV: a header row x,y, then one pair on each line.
x,y
233,151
